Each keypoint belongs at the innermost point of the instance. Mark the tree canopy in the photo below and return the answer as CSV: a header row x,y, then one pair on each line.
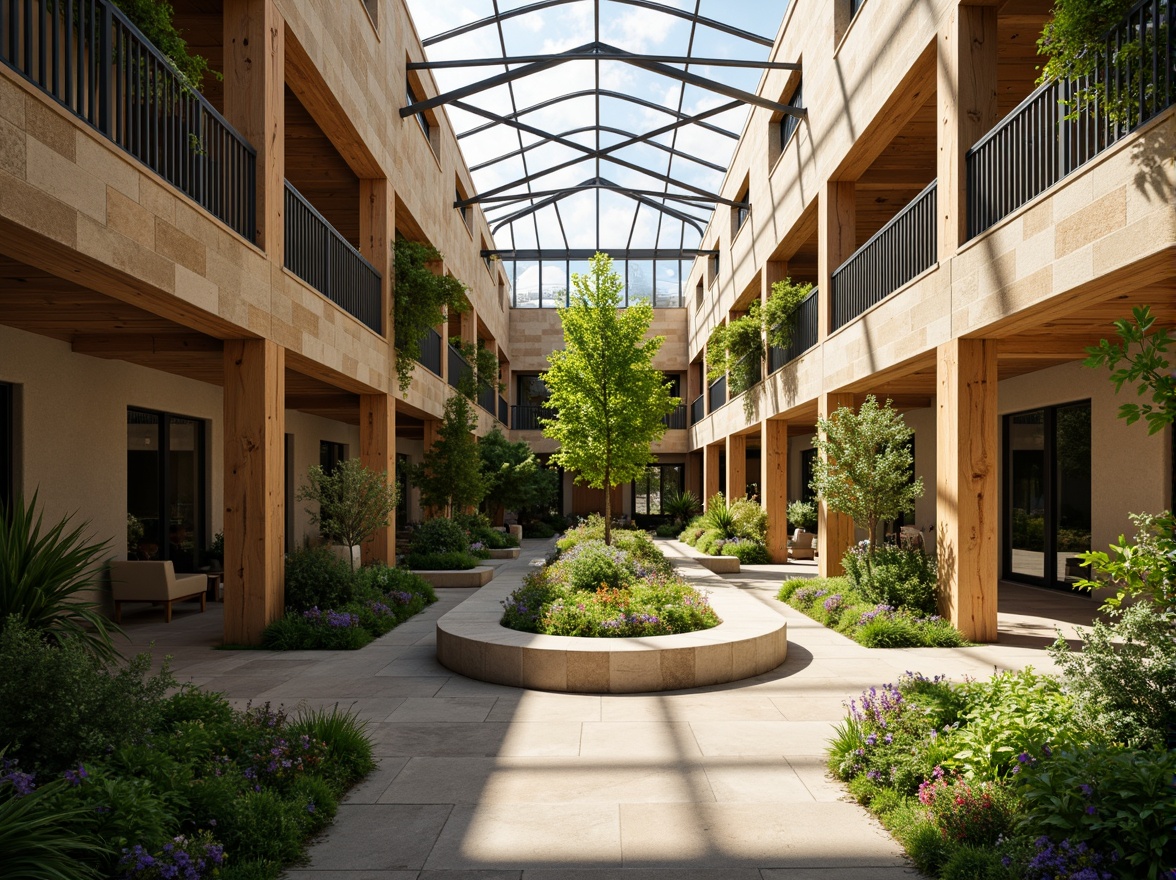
x,y
609,401
450,477
515,479
865,468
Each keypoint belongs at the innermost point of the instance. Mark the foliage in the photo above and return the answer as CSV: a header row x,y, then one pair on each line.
x,y
591,565
779,313
515,479
865,467
1124,680
538,529
45,575
347,747
482,374
453,560
682,504
736,350
968,812
439,535
608,399
450,477
41,841
421,298
217,549
900,576
1149,366
1065,859
750,520
353,501
747,551
314,629
478,530
719,516
802,515
1145,567
667,530
1115,800
61,704
155,19
316,577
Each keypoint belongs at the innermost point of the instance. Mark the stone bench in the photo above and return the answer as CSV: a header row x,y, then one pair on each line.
x,y
478,576
716,564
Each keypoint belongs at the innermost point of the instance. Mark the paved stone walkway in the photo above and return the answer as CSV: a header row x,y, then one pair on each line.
x,y
490,782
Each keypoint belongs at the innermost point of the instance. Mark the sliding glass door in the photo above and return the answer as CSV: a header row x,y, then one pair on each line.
x,y
1047,494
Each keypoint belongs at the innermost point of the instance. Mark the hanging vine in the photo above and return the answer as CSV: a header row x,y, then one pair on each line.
x,y
420,300
779,313
483,372
155,18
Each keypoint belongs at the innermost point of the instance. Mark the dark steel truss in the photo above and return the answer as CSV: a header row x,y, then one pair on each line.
x,y
667,193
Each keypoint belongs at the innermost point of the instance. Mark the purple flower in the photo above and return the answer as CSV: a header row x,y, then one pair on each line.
x,y
75,777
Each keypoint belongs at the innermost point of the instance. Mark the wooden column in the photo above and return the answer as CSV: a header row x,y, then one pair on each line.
x,y
774,485
710,472
836,237
736,466
255,102
375,240
255,419
966,93
377,451
835,533
967,457
429,437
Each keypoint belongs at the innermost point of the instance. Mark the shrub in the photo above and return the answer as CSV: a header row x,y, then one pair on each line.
x,y
62,705
439,535
802,515
719,517
898,576
1112,799
538,529
316,630
316,577
750,520
682,505
377,581
710,542
477,527
1051,860
748,552
966,812
667,530
593,564
352,501
348,748
1124,680
39,840
45,575
896,628
454,560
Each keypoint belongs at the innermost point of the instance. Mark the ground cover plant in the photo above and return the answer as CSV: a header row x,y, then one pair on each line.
x,y
1017,777
594,589
330,607
109,771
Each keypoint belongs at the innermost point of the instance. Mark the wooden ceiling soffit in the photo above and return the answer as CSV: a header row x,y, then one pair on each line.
x,y
129,345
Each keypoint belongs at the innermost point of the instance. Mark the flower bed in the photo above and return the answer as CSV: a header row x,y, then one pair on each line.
x,y
600,591
329,607
1019,777
737,529
108,771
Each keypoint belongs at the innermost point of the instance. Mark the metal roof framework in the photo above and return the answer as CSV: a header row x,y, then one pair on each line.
x,y
675,199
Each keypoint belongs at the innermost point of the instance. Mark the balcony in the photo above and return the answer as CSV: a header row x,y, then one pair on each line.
x,y
325,260
488,399
896,253
676,419
458,366
804,334
1040,142
526,417
717,393
503,411
90,59
698,409
431,352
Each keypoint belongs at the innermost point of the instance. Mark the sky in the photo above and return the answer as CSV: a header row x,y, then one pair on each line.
x,y
621,222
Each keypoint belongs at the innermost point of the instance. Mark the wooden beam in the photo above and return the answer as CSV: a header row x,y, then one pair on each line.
x,y
837,233
774,485
377,451
736,466
255,500
310,401
966,485
135,344
834,530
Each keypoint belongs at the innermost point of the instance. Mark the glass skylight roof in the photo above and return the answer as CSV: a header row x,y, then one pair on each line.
x,y
534,143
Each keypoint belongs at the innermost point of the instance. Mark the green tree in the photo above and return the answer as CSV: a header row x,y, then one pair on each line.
x,y
608,399
451,476
515,479
353,501
421,297
865,466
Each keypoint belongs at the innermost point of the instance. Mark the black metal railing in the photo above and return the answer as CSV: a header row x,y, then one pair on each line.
x,y
717,393
503,411
755,372
488,399
698,409
676,418
328,262
526,417
458,366
804,333
894,255
1056,129
87,56
431,351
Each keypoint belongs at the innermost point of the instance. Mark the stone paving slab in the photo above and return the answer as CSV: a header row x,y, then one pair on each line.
x,y
477,781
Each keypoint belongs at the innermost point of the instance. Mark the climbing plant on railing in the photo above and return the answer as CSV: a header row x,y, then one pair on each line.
x,y
420,300
483,372
780,310
155,18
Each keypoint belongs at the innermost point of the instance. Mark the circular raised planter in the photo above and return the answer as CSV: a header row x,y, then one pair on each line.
x,y
748,642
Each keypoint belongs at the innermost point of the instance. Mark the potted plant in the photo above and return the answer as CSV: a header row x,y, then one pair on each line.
x,y
353,502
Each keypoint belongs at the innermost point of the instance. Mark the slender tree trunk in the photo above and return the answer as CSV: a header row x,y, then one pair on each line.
x,y
608,506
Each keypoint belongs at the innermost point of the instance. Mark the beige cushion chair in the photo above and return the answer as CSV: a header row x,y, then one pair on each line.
x,y
157,582
802,545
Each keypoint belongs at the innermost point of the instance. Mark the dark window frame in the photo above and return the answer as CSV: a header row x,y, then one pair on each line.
x,y
661,467
7,444
790,124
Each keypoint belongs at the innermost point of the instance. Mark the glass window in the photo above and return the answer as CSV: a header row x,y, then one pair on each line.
x,y
330,454
658,481
526,286
789,124
421,118
667,293
640,281
555,284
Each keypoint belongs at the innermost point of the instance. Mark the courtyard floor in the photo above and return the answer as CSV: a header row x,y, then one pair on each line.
x,y
484,781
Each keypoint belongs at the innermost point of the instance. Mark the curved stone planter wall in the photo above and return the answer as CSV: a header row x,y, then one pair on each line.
x,y
750,640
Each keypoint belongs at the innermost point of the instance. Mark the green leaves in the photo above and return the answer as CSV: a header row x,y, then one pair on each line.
x,y
353,501
46,576
420,299
451,475
608,398
1148,366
